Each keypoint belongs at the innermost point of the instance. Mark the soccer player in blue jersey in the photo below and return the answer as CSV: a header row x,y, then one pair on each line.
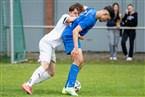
x,y
81,25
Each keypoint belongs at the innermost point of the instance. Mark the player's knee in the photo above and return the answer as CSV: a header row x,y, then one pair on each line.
x,y
80,61
81,65
52,74
45,64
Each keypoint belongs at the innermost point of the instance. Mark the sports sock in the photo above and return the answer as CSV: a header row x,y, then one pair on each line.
x,y
44,76
36,76
72,76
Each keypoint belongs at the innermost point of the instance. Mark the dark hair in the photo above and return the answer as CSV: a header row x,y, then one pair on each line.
x,y
77,6
117,5
129,5
110,10
116,17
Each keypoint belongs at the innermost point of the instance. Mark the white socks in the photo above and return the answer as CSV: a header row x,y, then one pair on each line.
x,y
44,76
38,76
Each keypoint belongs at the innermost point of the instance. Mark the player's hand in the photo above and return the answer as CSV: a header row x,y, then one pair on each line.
x,y
75,53
81,37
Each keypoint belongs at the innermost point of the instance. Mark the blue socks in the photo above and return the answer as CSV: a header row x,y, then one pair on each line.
x,y
72,76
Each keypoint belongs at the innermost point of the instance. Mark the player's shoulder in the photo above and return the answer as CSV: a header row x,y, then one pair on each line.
x,y
90,8
90,12
65,15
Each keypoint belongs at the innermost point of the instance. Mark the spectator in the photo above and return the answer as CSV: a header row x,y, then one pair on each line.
x,y
114,34
129,20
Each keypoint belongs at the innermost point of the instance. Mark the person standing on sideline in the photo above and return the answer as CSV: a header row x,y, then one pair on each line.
x,y
47,47
114,34
129,20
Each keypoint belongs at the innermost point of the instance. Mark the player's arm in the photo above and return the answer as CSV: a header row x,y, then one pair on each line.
x,y
85,7
81,37
75,39
70,19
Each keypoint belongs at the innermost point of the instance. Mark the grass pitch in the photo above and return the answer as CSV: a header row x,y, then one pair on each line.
x,y
98,79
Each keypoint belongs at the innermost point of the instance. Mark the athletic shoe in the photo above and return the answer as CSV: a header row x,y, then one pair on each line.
x,y
114,58
111,58
71,91
27,88
64,90
129,59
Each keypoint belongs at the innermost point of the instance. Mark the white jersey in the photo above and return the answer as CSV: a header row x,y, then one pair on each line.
x,y
54,37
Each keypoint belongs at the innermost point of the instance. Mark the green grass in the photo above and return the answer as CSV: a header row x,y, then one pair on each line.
x,y
98,79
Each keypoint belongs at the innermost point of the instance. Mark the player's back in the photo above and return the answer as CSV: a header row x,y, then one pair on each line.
x,y
54,37
86,20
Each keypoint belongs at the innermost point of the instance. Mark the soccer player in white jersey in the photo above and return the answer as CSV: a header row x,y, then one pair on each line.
x,y
47,49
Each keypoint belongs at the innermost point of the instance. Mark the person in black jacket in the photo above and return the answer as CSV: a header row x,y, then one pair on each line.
x,y
129,20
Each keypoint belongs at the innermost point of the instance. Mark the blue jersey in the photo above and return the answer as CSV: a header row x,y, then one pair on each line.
x,y
86,21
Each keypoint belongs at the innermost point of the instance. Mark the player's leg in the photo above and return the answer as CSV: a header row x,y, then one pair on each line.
x,y
74,70
44,58
78,62
35,78
82,59
48,73
45,75
50,70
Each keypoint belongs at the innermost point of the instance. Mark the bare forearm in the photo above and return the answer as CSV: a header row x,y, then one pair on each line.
x,y
76,32
75,38
70,19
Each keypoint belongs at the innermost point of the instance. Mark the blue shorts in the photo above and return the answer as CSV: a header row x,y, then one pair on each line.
x,y
69,44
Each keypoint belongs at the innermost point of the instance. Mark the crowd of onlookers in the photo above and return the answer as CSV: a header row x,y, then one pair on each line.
x,y
130,19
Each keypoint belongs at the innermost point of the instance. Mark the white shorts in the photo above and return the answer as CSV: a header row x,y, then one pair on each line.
x,y
47,53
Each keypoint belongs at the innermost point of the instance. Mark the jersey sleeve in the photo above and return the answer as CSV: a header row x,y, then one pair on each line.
x,y
88,19
87,22
65,17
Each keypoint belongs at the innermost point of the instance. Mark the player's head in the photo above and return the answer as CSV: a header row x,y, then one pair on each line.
x,y
75,9
107,14
79,7
110,11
